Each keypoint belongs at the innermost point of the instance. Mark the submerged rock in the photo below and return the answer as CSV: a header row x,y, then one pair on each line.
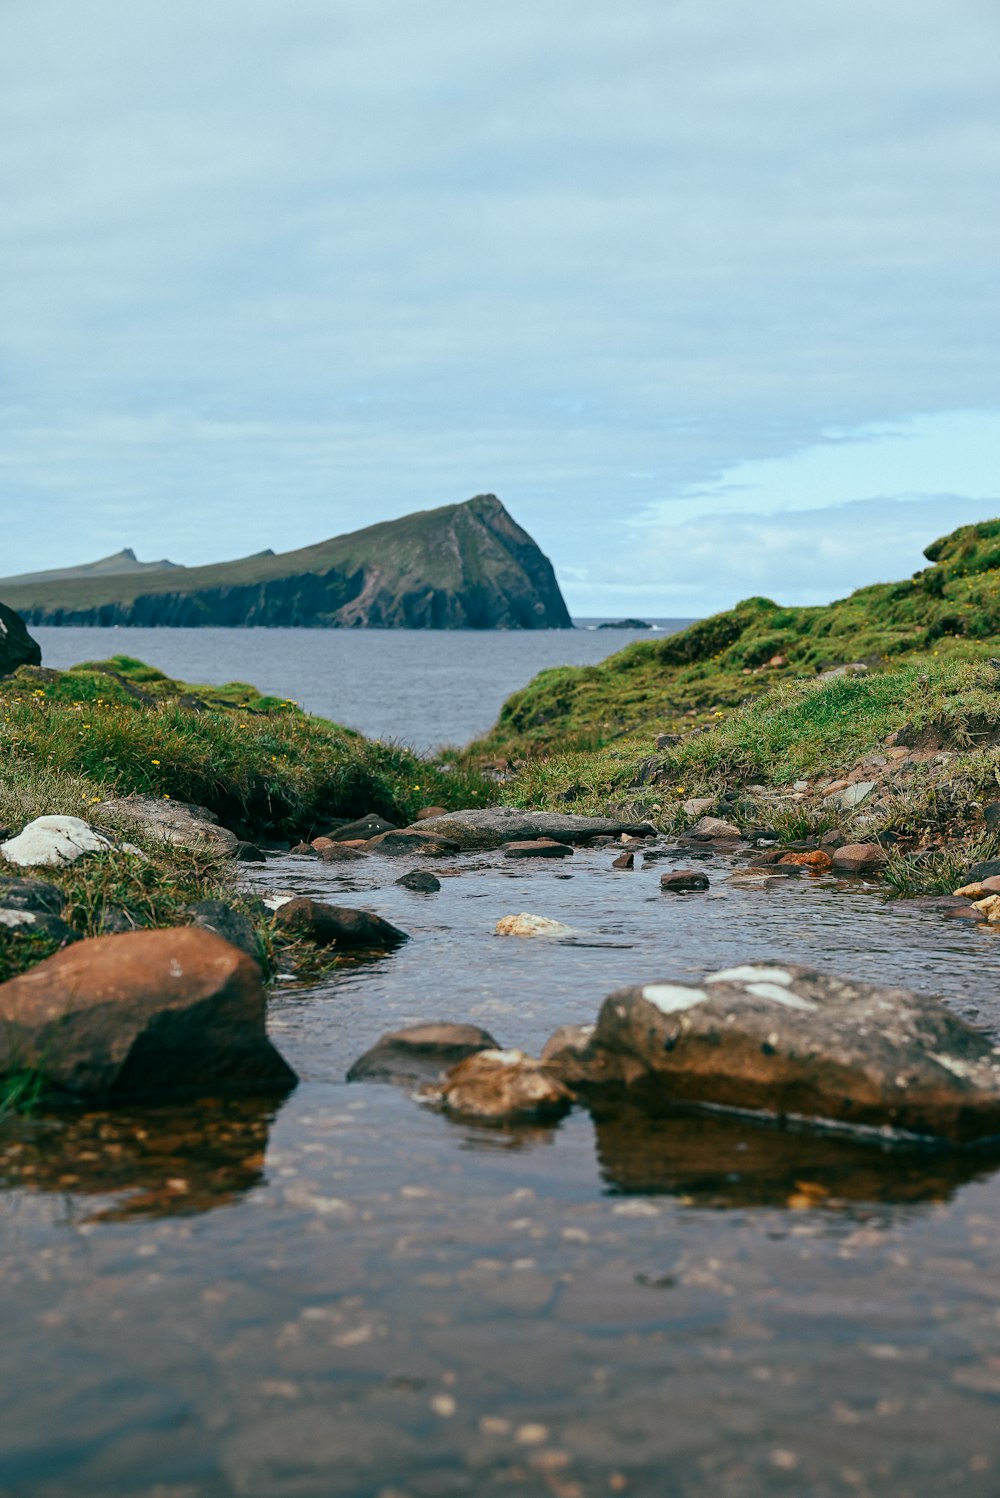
x,y
421,1053
420,881
541,847
502,1087
492,826
683,881
178,822
142,1014
333,852
530,925
54,842
336,925
791,1042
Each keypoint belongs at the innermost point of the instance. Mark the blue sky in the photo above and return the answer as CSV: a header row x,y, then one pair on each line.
x,y
706,293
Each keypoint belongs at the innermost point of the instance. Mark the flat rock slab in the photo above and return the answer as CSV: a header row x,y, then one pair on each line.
x,y
540,847
142,1014
420,1053
179,822
337,925
492,826
792,1043
53,842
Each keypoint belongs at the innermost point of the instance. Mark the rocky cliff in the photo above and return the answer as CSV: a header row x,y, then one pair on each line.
x,y
465,566
17,648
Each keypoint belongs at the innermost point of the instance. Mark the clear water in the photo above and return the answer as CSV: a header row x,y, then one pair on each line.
x,y
349,1296
424,687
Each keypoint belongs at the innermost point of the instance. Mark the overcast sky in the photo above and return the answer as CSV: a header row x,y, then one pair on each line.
x,y
707,293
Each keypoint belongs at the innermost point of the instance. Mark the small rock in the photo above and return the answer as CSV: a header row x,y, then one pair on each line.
x,y
817,860
851,795
413,840
420,880
54,842
420,1053
698,805
503,1087
832,839
666,740
964,912
712,827
624,861
369,826
249,853
304,848
990,908
427,812
38,923
232,925
851,668
336,925
114,920
683,881
530,925
484,828
331,852
542,847
31,894
858,858
991,816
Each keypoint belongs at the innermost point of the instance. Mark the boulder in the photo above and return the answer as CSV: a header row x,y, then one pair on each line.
x,y
232,925
492,826
31,894
710,828
53,842
17,648
332,852
502,1087
530,925
683,881
142,1014
421,1053
789,1042
368,826
977,891
421,881
177,822
858,858
541,847
336,925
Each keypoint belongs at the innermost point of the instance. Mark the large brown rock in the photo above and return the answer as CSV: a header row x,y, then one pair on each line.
x,y
420,1053
141,1014
792,1043
859,858
336,925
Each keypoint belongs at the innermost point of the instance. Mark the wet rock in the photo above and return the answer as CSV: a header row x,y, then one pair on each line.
x,y
492,826
624,861
698,806
304,848
331,852
502,1087
53,842
178,822
541,847
530,925
964,912
710,828
859,858
336,925
566,1046
142,1014
37,923
421,1053
817,860
790,1042
421,881
990,908
851,795
683,881
232,925
369,826
249,853
414,840
31,894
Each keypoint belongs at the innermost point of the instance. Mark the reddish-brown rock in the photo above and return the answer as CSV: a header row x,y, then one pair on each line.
x,y
817,860
140,1014
859,858
683,881
419,1053
540,847
502,1087
336,925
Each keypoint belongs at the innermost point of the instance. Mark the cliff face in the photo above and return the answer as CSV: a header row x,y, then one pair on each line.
x,y
467,566
17,648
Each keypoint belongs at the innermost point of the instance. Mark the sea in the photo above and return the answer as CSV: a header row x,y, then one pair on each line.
x,y
424,688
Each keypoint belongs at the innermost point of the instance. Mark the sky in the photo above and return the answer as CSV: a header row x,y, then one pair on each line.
x,y
707,294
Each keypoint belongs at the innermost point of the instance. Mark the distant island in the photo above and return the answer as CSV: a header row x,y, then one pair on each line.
x,y
626,624
463,566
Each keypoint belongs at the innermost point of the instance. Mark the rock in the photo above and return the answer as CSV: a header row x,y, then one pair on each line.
x,y
791,1042
851,795
567,1045
624,861
698,806
666,740
817,860
113,920
142,1014
991,816
427,812
982,871
502,1087
977,891
542,847
232,925
858,858
832,839
626,624
710,828
17,648
530,925
178,822
249,853
421,881
37,923
420,1053
31,894
850,668
369,826
336,925
683,881
492,826
304,848
332,852
413,840
964,912
53,842
990,908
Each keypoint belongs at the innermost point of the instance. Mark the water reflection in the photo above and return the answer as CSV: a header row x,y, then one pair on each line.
x,y
152,1162
723,1162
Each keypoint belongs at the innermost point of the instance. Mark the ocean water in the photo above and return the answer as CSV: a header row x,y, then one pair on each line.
x,y
423,687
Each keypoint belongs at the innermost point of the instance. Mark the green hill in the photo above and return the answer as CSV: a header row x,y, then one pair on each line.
x,y
951,608
464,566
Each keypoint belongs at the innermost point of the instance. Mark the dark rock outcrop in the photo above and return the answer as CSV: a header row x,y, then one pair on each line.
x,y
17,648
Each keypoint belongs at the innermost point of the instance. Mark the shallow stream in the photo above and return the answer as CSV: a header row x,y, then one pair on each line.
x,y
349,1296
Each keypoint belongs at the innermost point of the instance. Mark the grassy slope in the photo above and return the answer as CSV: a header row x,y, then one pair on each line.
x,y
440,546
951,609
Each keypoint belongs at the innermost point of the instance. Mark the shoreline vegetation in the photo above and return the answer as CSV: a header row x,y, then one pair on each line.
x,y
874,722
